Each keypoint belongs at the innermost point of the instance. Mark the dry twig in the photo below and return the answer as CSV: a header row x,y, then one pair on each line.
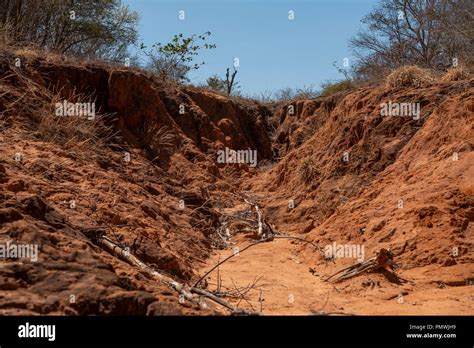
x,y
382,260
184,290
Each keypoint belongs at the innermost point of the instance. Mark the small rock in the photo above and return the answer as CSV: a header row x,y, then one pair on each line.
x,y
162,308
378,225
449,262
16,186
308,227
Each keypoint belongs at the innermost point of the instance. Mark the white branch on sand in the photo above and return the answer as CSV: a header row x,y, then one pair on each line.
x,y
183,289
113,248
260,233
260,224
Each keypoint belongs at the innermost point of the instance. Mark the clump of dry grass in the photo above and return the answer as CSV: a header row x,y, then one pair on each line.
x,y
74,131
409,75
38,104
161,139
307,170
456,74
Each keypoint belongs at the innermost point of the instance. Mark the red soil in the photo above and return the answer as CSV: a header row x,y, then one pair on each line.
x,y
347,202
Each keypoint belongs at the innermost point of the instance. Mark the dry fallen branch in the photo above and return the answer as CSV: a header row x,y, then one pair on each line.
x,y
235,310
261,233
382,260
271,233
260,224
115,249
237,292
242,297
266,236
321,312
236,217
184,290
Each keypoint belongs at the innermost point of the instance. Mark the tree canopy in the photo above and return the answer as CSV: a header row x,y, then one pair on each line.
x,y
85,28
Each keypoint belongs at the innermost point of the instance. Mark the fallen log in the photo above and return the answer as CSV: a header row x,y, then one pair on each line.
x,y
125,255
184,290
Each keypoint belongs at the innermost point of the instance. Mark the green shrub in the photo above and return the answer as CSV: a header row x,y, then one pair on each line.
x,y
331,88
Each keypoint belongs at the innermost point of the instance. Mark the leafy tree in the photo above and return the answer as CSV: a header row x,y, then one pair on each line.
x,y
84,28
329,88
175,59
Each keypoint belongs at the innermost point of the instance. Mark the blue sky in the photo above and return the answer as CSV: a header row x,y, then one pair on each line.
x,y
274,52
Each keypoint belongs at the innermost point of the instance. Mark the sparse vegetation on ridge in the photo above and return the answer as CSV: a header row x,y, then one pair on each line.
x,y
137,185
409,76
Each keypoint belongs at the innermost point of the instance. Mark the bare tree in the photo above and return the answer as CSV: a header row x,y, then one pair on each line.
x,y
230,80
421,32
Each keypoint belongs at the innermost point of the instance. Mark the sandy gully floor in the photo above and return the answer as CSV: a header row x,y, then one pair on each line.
x,y
286,286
